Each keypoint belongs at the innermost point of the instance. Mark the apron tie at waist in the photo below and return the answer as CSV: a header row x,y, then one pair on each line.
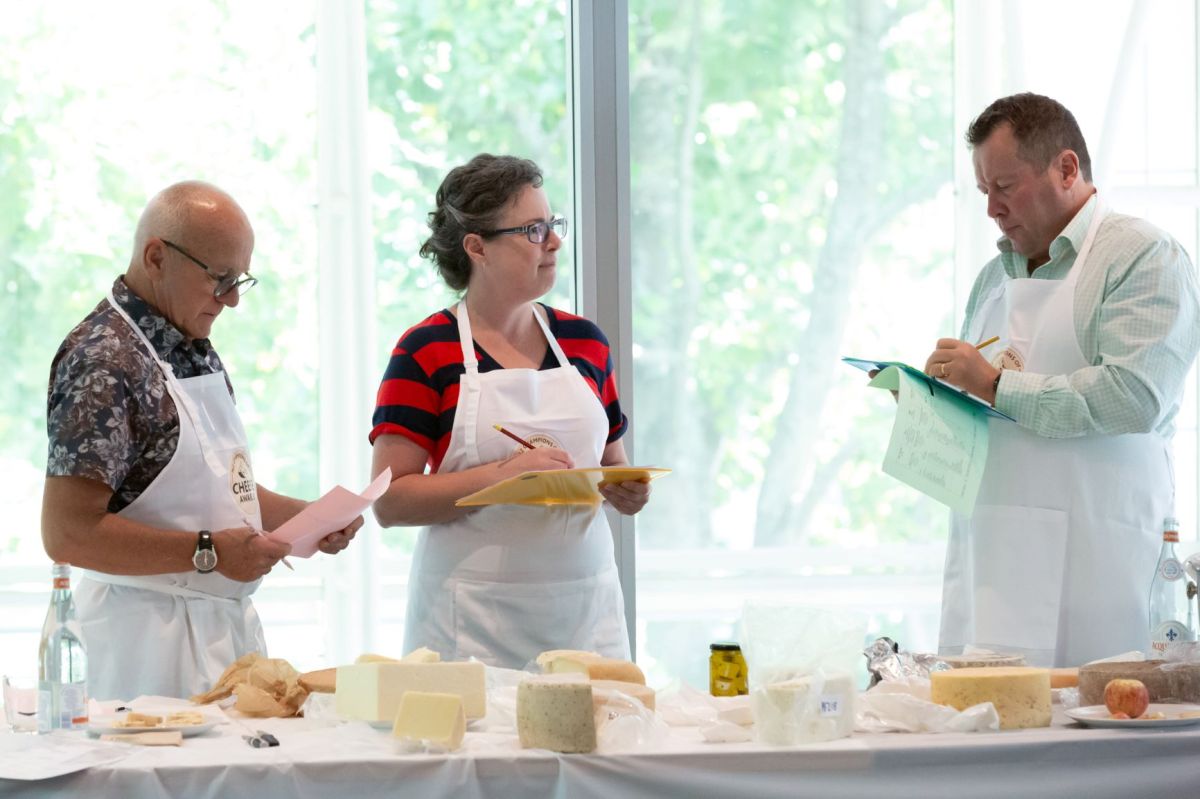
x,y
148,583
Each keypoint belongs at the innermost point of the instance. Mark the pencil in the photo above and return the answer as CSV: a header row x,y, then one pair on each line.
x,y
262,533
514,437
987,343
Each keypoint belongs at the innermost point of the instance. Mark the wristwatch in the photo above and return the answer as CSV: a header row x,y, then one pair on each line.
x,y
205,559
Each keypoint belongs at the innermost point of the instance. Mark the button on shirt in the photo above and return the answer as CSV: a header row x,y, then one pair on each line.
x,y
1136,318
109,416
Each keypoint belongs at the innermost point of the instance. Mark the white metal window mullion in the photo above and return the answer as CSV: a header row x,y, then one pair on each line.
x,y
346,313
599,65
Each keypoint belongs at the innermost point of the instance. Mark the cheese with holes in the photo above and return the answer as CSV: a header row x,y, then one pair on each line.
x,y
431,717
596,667
372,691
1021,695
804,709
556,712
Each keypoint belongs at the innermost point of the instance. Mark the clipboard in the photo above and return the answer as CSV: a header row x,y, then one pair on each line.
x,y
558,486
934,383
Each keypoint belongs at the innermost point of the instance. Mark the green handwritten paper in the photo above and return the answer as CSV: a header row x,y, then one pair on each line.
x,y
939,445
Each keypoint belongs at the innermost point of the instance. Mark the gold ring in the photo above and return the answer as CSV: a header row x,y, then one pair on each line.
x,y
943,370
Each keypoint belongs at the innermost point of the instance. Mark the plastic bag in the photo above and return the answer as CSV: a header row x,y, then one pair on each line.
x,y
802,664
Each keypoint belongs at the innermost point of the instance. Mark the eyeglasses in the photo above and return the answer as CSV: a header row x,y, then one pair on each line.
x,y
226,282
536,232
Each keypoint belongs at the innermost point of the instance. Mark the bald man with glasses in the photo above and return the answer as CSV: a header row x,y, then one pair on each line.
x,y
150,487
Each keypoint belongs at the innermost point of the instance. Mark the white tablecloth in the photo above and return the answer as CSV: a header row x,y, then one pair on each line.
x,y
353,761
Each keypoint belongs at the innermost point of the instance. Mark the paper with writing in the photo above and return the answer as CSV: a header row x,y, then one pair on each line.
x,y
939,445
328,514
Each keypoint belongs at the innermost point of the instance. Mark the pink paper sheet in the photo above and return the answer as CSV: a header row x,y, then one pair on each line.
x,y
328,514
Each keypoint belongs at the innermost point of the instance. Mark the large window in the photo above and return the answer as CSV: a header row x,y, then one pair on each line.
x,y
798,190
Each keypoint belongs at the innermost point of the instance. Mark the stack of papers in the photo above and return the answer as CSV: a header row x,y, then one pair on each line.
x,y
558,486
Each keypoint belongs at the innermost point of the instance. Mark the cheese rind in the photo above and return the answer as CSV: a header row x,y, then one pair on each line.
x,y
1166,682
1021,695
433,717
372,691
556,714
603,689
981,661
596,667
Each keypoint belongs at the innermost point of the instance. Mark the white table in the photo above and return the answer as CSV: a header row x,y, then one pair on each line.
x,y
352,761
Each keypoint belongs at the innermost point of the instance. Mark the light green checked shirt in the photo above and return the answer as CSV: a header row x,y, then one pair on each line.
x,y
1137,317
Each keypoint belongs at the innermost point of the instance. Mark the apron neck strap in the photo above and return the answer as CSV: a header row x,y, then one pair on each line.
x,y
1099,211
466,341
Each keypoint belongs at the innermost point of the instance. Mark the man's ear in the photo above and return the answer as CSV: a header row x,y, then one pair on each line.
x,y
473,245
153,254
1066,168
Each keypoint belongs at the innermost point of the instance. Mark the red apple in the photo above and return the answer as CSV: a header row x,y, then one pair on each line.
x,y
1126,696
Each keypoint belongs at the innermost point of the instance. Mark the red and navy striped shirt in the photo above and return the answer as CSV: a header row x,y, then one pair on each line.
x,y
419,393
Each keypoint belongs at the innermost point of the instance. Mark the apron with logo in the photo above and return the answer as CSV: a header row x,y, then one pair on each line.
x,y
174,634
1055,562
507,582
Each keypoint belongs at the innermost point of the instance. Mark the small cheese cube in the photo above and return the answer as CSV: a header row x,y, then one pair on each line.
x,y
556,714
372,691
1021,695
436,718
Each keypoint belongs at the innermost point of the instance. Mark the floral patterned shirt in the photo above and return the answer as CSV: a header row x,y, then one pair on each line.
x,y
109,416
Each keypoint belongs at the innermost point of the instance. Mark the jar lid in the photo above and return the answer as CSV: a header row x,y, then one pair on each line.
x,y
725,646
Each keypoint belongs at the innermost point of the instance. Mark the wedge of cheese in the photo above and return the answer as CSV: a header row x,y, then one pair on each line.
x,y
596,667
556,712
1021,695
372,691
434,718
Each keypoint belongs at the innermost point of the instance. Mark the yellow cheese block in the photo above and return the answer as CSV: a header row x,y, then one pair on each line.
x,y
596,667
436,718
1021,695
372,691
556,714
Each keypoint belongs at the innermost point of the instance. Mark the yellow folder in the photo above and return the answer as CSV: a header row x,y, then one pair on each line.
x,y
558,486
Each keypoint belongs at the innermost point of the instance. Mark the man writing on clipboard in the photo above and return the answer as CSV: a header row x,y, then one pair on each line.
x,y
1096,314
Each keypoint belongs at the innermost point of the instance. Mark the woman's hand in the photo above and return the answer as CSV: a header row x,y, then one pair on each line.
x,y
628,497
336,542
538,459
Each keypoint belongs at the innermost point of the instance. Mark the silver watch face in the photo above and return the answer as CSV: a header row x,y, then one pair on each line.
x,y
205,560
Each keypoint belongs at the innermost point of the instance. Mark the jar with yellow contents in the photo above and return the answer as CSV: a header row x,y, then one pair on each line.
x,y
726,670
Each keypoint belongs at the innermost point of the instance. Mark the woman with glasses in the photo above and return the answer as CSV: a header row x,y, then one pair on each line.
x,y
504,582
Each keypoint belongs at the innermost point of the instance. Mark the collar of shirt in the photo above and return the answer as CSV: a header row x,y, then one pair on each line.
x,y
163,336
1062,250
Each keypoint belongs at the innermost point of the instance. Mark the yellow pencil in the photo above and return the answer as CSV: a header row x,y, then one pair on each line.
x,y
987,343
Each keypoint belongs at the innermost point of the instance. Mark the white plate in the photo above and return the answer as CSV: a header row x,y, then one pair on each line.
x,y
1098,716
103,725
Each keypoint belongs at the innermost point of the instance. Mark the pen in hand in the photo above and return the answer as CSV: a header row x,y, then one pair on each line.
x,y
260,532
989,342
514,437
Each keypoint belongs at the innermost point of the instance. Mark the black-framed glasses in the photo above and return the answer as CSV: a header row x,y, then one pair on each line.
x,y
536,232
225,283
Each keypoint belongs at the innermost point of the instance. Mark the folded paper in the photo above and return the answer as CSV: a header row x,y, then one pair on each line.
x,y
328,514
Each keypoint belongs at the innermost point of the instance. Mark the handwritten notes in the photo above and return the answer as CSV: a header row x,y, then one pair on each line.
x,y
939,444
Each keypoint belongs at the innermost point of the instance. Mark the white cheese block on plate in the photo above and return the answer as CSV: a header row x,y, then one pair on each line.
x,y
372,691
804,710
556,712
436,718
1021,695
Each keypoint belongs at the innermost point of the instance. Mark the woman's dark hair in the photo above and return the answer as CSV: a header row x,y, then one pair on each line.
x,y
1042,127
470,200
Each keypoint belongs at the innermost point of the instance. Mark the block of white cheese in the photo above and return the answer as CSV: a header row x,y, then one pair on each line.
x,y
734,709
596,667
419,655
437,719
556,712
1021,695
804,709
372,691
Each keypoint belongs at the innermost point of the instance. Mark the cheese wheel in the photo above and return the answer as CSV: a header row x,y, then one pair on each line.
x,y
981,661
1021,695
602,690
596,667
1166,682
556,714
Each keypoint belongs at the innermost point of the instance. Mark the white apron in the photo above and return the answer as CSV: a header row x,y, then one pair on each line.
x,y
1055,562
507,582
173,634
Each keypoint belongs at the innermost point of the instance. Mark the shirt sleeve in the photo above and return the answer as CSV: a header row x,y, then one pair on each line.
x,y
407,403
88,420
1147,339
